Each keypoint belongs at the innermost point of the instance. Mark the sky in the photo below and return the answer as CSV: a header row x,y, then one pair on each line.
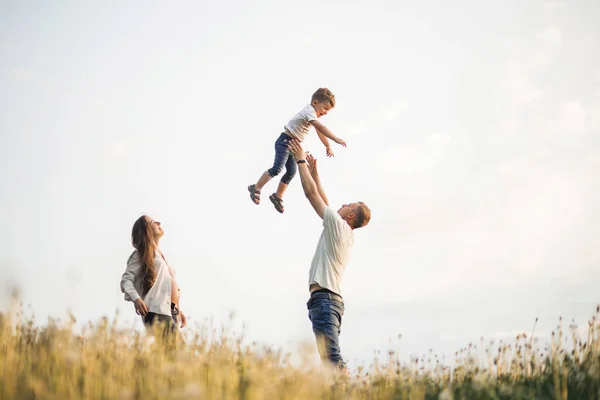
x,y
473,133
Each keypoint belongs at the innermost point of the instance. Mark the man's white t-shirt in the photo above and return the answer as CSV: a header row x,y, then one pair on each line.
x,y
299,125
333,252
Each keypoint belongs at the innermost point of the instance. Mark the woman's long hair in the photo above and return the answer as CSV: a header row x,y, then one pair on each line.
x,y
142,239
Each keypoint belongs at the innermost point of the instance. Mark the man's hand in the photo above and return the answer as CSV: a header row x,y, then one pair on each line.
x,y
140,307
183,319
329,152
296,149
312,165
340,141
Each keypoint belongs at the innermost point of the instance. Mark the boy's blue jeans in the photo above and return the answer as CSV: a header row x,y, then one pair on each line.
x,y
283,158
325,310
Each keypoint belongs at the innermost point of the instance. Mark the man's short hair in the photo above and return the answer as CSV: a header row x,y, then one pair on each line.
x,y
323,94
363,215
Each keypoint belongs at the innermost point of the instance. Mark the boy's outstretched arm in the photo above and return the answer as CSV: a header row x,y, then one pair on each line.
x,y
326,132
325,142
323,139
308,184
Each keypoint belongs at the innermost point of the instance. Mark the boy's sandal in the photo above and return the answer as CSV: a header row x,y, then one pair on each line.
x,y
254,194
277,202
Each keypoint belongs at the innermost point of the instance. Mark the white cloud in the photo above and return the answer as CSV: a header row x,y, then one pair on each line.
x,y
594,158
394,111
241,155
552,6
551,36
519,164
504,129
422,157
541,59
21,74
515,67
356,129
517,83
439,139
115,150
515,232
594,117
571,118
311,40
409,159
520,89
529,259
510,166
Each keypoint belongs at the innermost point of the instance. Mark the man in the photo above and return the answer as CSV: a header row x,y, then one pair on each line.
x,y
326,305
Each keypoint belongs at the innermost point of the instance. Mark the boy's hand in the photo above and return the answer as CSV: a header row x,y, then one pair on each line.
x,y
328,151
340,141
296,149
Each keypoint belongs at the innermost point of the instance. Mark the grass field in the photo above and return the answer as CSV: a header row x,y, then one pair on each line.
x,y
102,362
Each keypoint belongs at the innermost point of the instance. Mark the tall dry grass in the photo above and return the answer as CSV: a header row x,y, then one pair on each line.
x,y
103,362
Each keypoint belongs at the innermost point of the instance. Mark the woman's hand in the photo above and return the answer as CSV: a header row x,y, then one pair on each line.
x,y
183,319
140,307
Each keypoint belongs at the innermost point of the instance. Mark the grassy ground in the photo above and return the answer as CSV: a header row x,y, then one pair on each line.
x,y
52,362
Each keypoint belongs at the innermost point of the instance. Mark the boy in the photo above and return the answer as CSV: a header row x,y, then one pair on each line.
x,y
321,103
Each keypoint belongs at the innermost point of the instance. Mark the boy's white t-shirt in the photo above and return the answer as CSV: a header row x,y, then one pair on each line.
x,y
333,252
299,125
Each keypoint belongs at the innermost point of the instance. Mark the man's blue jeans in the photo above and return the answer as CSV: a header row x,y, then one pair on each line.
x,y
325,311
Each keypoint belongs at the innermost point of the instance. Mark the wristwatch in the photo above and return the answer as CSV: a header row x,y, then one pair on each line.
x,y
301,162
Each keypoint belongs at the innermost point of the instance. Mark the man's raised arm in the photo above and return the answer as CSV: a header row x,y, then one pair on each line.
x,y
311,190
312,167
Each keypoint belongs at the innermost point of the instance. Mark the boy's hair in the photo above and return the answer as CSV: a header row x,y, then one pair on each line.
x,y
363,215
323,94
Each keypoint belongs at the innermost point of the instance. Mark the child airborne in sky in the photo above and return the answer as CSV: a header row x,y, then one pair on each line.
x,y
321,103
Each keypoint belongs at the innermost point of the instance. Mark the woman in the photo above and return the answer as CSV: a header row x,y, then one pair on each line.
x,y
149,281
